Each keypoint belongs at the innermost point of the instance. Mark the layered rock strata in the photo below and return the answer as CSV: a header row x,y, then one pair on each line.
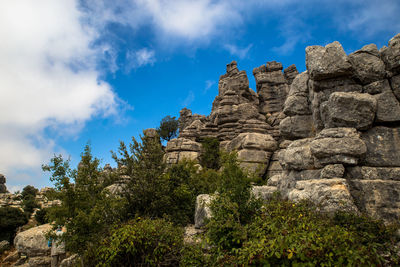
x,y
330,134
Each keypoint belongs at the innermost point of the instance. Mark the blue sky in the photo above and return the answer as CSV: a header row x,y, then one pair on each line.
x,y
99,71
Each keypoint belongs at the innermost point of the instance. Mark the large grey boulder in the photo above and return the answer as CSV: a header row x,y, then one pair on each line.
x,y
391,54
378,198
349,110
388,107
297,100
330,194
290,73
297,156
327,62
202,210
255,141
367,65
295,127
332,171
338,146
383,147
33,242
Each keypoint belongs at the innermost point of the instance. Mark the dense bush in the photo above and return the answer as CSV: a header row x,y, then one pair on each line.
x,y
40,216
141,242
10,220
210,153
285,233
29,202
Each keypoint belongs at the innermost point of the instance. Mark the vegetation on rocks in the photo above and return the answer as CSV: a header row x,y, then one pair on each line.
x,y
10,220
168,128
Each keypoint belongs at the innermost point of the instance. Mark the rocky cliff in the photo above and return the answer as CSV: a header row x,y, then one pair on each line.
x,y
330,134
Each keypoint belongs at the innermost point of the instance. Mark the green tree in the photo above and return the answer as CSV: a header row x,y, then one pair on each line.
x,y
10,220
86,210
210,153
168,128
29,202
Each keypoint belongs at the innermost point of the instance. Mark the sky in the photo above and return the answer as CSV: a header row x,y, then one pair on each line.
x,y
74,72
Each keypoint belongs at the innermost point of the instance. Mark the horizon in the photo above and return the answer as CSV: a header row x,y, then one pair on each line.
x,y
84,71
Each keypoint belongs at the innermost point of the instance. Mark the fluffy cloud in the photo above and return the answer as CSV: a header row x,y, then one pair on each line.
x,y
237,51
48,80
139,58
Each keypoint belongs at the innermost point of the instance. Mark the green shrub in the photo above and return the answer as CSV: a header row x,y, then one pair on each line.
x,y
210,154
284,233
141,242
29,202
10,220
40,216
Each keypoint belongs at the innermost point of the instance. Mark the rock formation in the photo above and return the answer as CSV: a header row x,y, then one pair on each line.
x,y
330,134
3,188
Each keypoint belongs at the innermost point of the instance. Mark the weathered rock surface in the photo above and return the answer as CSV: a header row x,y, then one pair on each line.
x,y
383,147
349,110
33,242
297,127
367,65
331,133
202,211
327,62
70,261
264,192
338,146
297,156
332,194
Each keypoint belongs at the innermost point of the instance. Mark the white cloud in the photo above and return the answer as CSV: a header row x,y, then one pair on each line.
x,y
209,84
189,99
139,58
237,51
48,79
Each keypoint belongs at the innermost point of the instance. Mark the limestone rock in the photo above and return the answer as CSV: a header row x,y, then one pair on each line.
x,y
300,126
373,173
349,110
379,198
290,73
253,141
3,188
391,54
273,181
327,62
377,87
43,261
332,171
338,146
202,211
367,65
395,81
299,175
297,101
383,147
388,108
33,242
70,261
264,192
297,156
330,194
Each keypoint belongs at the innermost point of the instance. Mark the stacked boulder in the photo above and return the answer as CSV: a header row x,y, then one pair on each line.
x,y
344,126
330,134
3,188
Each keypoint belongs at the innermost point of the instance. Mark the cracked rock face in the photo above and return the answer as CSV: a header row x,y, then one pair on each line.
x,y
330,134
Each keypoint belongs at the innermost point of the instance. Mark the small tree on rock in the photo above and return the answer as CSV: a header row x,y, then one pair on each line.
x,y
168,128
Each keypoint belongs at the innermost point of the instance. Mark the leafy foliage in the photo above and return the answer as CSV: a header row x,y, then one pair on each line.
x,y
86,208
210,154
10,220
285,233
40,216
141,242
29,202
168,128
